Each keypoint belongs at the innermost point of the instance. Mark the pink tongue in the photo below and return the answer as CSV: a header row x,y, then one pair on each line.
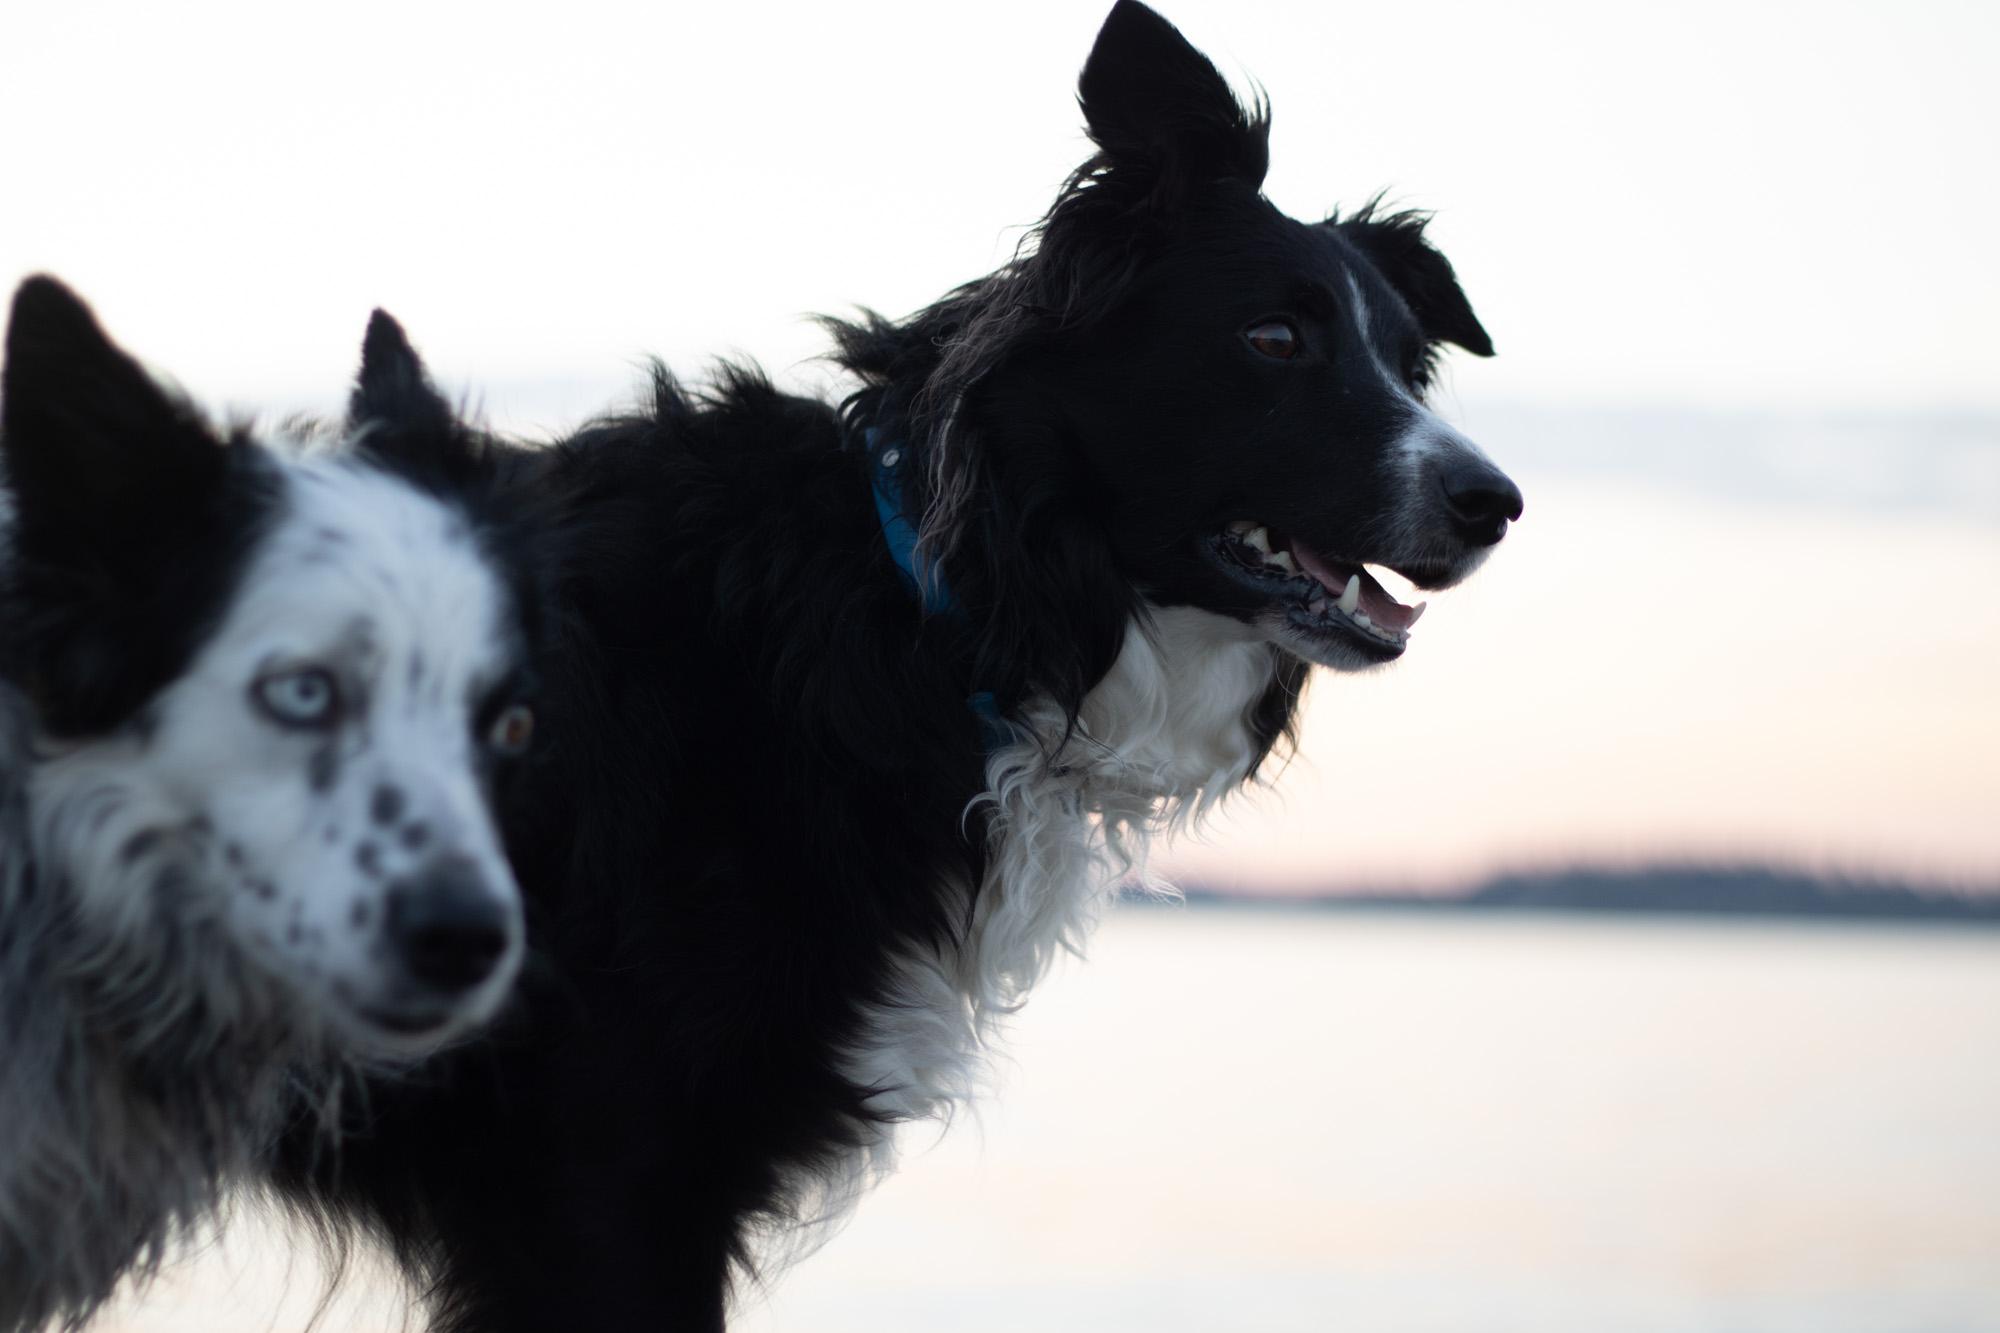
x,y
1376,603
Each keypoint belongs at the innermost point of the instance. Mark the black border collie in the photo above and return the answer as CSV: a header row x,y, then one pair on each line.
x,y
856,715
255,712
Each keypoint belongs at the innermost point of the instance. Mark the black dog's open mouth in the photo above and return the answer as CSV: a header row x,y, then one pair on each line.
x,y
1321,596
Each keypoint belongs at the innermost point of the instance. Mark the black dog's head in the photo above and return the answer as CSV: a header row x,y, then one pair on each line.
x,y
1197,398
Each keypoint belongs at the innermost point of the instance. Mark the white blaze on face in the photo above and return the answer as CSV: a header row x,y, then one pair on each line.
x,y
1426,446
319,768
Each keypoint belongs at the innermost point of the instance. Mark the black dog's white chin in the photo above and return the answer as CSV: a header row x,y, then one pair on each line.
x,y
1334,644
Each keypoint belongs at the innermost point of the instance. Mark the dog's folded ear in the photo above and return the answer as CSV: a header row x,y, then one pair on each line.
x,y
1154,104
1395,244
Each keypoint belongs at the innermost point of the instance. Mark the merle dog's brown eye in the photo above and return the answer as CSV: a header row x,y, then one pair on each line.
x,y
512,730
1275,338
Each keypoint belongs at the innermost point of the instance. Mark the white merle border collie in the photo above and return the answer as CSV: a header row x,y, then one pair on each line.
x,y
256,710
857,715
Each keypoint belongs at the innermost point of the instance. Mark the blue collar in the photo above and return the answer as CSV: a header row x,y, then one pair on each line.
x,y
886,460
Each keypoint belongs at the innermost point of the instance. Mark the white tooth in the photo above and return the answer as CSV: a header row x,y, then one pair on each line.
x,y
1283,560
1350,596
1259,538
1361,619
1416,613
1239,527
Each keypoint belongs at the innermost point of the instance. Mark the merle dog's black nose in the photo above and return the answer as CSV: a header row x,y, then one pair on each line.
x,y
1480,497
448,924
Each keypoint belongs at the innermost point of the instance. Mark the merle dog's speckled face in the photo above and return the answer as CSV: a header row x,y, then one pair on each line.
x,y
326,756
1252,403
289,753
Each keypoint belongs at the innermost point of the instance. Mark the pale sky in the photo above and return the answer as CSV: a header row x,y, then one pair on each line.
x,y
1768,203
1786,209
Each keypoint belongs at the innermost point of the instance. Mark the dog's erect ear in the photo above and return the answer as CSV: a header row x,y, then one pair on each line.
x,y
1395,244
394,393
1153,103
97,453
130,516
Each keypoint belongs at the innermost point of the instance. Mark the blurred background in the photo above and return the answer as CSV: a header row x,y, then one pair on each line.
x,y
1713,744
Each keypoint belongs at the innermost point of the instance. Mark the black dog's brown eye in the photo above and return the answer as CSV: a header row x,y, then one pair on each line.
x,y
1275,338
512,730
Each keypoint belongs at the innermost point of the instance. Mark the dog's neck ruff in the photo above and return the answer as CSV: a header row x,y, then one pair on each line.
x,y
925,580
1070,806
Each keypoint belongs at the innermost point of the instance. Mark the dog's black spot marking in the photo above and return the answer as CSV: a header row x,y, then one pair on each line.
x,y
387,805
264,889
170,891
368,857
323,769
331,536
357,916
293,934
199,827
415,834
418,669
139,844
233,854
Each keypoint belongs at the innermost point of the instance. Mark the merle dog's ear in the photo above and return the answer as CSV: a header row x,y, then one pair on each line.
x,y
1155,104
400,422
1395,244
393,393
130,515
98,455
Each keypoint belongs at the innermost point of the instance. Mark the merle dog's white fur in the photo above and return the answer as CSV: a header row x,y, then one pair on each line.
x,y
193,908
369,578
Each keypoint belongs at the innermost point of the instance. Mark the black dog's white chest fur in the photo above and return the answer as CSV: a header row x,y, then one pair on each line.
x,y
1164,736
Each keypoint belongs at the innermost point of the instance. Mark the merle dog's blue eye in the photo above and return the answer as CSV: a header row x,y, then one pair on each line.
x,y
302,697
1275,338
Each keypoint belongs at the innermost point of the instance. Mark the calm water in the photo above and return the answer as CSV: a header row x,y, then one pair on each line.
x,y
1240,1120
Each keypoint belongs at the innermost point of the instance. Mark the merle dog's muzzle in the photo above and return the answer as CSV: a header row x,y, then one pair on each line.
x,y
448,926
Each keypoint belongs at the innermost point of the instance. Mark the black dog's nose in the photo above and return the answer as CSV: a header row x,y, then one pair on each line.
x,y
1480,497
449,926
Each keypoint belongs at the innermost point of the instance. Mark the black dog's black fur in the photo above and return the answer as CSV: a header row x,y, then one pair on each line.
x,y
760,766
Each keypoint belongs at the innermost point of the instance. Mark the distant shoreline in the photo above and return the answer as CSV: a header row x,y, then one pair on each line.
x,y
1751,892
